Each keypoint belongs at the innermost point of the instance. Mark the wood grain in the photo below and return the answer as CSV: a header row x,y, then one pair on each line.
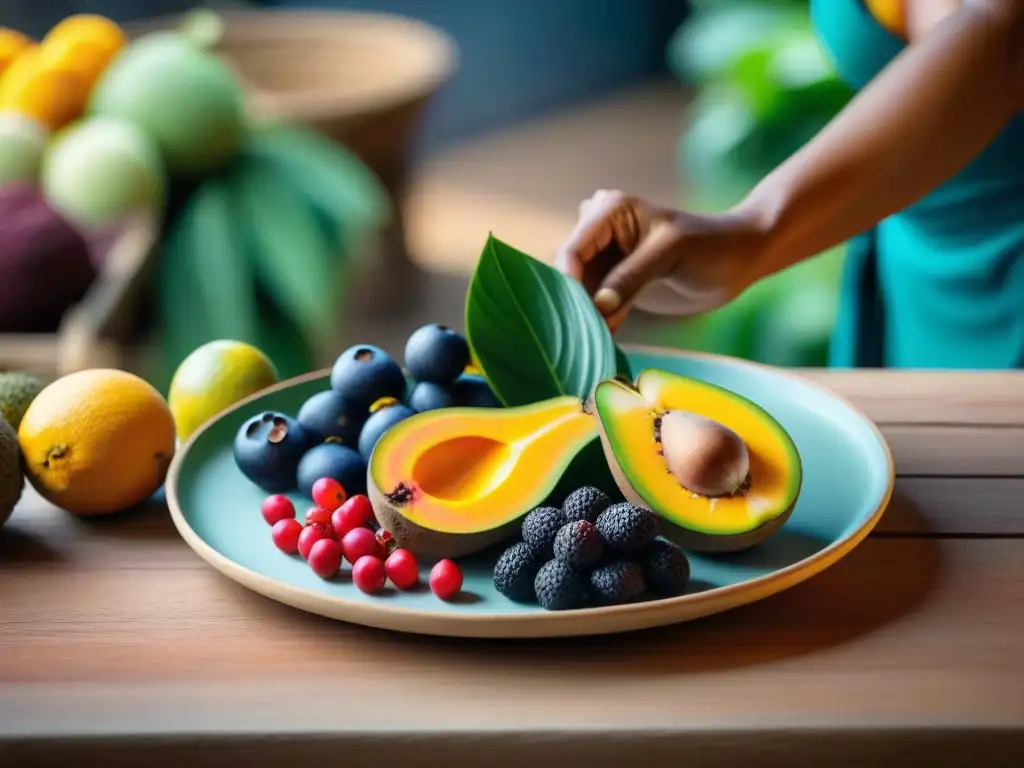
x,y
955,506
903,633
993,398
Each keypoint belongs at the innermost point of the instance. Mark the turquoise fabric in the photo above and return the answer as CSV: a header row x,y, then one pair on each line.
x,y
941,283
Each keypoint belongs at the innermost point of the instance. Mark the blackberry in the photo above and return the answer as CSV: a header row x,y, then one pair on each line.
x,y
515,571
585,504
666,568
627,529
617,583
558,587
579,544
540,527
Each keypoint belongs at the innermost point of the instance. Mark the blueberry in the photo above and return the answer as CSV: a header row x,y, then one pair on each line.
x,y
331,415
379,423
436,353
335,461
268,448
428,396
364,373
474,391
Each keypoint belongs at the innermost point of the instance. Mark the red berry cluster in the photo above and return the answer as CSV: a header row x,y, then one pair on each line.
x,y
338,527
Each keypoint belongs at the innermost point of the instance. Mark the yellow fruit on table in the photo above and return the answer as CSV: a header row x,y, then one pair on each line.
x,y
214,377
97,441
100,31
49,96
12,45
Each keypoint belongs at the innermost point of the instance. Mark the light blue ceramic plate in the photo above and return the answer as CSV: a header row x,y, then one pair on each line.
x,y
848,478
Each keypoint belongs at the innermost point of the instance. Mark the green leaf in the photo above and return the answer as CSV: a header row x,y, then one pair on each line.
x,y
296,262
534,332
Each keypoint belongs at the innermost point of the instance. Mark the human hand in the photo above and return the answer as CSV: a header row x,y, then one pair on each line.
x,y
626,251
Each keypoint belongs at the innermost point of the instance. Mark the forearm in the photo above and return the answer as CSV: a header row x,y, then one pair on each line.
x,y
923,119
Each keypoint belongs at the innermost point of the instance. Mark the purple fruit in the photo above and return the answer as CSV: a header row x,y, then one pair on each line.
x,y
45,263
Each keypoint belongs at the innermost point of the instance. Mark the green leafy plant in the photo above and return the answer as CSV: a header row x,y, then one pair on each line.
x,y
533,331
763,87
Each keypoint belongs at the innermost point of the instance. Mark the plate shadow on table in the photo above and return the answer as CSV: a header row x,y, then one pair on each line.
x,y
19,547
879,582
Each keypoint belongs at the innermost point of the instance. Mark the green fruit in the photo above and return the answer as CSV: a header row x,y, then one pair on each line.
x,y
12,480
184,97
100,168
22,142
17,391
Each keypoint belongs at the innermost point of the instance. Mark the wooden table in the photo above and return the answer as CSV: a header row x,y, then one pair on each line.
x,y
117,642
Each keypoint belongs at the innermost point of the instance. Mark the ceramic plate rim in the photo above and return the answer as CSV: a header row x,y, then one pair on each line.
x,y
540,624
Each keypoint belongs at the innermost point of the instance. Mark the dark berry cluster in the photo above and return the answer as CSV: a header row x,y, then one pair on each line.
x,y
590,552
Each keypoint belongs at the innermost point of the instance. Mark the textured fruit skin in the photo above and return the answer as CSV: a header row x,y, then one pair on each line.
x,y
266,458
428,396
285,534
276,508
331,415
97,441
38,244
436,353
379,423
626,528
579,544
585,503
515,571
11,478
17,391
214,377
364,374
312,533
666,568
559,587
183,97
617,583
474,392
540,527
335,461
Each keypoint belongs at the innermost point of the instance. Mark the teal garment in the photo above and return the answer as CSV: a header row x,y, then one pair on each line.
x,y
941,283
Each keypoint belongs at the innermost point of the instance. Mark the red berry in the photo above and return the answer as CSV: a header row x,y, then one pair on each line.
x,y
402,569
358,511
277,507
325,558
368,574
285,534
311,534
445,579
328,493
360,542
354,513
318,515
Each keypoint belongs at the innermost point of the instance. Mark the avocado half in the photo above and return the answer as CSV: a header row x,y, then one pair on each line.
x,y
454,481
630,417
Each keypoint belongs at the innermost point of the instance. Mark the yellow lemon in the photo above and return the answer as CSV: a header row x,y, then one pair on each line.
x,y
100,31
214,377
48,96
97,441
12,45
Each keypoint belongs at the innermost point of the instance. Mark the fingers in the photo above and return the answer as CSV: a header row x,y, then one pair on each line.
x,y
651,260
592,234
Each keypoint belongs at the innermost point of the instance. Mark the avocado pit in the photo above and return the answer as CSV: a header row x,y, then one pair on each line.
x,y
704,456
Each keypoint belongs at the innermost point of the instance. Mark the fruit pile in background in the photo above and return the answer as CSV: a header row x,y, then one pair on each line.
x,y
258,223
